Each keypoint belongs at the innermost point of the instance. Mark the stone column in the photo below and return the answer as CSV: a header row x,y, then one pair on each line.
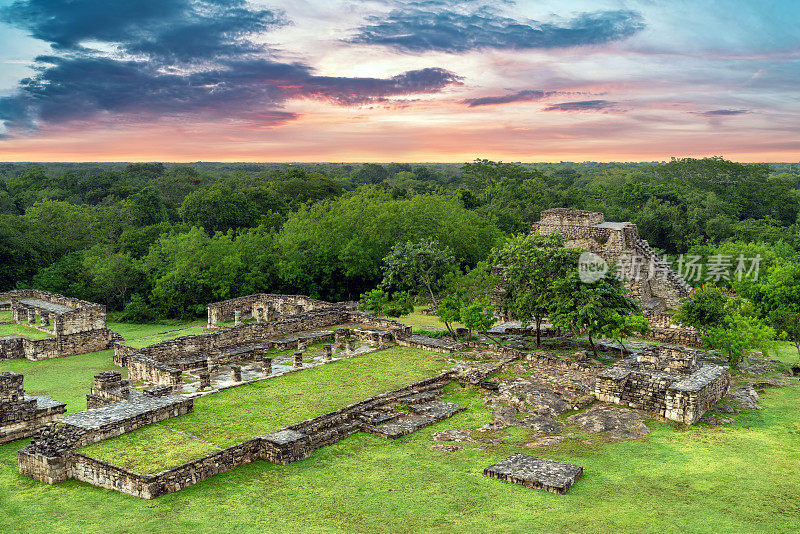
x,y
31,316
205,379
44,321
236,370
327,352
351,346
302,345
266,365
340,338
298,359
237,318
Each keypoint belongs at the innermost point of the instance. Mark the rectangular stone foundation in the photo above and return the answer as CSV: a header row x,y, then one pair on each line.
x,y
657,383
535,472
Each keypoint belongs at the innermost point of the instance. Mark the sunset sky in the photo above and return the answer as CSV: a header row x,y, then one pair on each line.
x,y
429,80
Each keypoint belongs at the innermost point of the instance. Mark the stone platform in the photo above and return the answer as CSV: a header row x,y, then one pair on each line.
x,y
22,415
535,472
668,381
423,414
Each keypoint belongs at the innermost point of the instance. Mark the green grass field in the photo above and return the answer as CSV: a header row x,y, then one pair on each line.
x,y
141,335
63,379
417,320
741,477
237,414
738,478
15,329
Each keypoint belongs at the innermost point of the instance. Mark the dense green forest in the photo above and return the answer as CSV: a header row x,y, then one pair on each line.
x,y
162,240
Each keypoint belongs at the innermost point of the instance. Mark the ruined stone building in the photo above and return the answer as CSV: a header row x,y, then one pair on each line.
x,y
21,415
668,381
653,282
77,326
650,278
265,307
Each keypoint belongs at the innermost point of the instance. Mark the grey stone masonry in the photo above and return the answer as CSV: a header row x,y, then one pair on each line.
x,y
23,415
77,326
108,387
535,472
619,242
668,381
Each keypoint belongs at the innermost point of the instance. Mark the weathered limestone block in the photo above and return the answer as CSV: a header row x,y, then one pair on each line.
x,y
286,446
266,365
298,359
534,472
236,371
205,379
327,352
351,347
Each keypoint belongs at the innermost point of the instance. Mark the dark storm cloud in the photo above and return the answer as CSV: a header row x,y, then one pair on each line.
x,y
172,57
528,95
170,29
435,26
583,105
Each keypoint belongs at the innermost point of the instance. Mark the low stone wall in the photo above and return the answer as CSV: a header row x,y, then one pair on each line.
x,y
266,307
49,456
288,445
110,476
161,362
675,336
11,347
430,344
121,353
149,370
544,360
69,344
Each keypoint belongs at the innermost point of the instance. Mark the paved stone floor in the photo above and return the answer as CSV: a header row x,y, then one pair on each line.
x,y
535,472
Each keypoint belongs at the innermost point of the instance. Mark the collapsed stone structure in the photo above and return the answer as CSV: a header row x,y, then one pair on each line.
x,y
650,278
666,380
50,456
78,326
21,415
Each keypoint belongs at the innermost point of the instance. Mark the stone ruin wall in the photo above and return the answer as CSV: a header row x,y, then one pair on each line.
x,y
266,307
682,396
159,363
78,331
22,415
316,432
49,457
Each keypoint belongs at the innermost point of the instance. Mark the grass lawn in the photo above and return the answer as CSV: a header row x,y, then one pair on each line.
x,y
237,414
15,329
141,335
5,316
417,320
738,478
63,379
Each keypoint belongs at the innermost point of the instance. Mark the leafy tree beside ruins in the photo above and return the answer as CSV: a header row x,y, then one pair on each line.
x,y
529,265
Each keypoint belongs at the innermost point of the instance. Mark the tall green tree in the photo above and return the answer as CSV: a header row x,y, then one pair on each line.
x,y
593,308
529,267
418,266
